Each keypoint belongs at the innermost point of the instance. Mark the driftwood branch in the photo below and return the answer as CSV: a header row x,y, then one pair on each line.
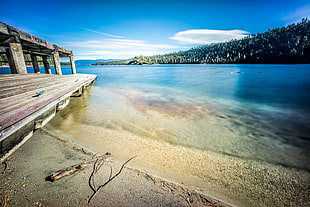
x,y
4,199
91,181
5,167
95,170
78,167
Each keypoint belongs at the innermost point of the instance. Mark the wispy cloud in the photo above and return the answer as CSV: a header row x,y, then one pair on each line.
x,y
115,54
298,14
118,44
64,23
206,36
102,33
117,48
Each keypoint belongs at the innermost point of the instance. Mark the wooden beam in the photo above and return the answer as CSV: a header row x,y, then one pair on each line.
x,y
73,68
44,118
46,65
57,63
31,42
4,28
35,63
16,58
63,52
24,138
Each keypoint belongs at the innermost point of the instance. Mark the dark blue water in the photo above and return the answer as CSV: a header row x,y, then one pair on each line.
x,y
285,86
259,112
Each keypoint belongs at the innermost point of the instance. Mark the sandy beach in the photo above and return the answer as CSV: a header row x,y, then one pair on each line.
x,y
161,174
23,177
234,180
23,180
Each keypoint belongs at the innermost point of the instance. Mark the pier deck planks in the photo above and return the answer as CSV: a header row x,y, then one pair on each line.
x,y
17,93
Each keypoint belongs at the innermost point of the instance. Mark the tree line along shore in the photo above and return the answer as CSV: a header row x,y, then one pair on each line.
x,y
285,45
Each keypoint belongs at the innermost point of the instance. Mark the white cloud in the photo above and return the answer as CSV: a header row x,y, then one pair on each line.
x,y
118,44
117,48
131,53
206,36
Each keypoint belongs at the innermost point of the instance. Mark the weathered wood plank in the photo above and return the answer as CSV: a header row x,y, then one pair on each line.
x,y
27,87
25,138
4,28
73,69
35,63
27,96
16,79
47,67
16,58
15,90
31,42
16,107
18,102
57,63
19,84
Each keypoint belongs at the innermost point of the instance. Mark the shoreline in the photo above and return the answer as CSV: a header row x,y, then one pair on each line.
x,y
233,180
169,174
23,179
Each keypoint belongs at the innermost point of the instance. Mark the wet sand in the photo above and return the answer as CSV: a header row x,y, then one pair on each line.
x,y
164,173
192,177
23,181
233,180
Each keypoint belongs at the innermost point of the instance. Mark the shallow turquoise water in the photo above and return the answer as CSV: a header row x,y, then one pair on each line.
x,y
259,112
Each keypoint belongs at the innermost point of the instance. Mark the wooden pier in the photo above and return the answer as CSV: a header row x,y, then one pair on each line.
x,y
14,43
29,101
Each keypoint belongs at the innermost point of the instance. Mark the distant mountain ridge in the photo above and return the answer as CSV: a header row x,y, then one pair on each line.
x,y
285,45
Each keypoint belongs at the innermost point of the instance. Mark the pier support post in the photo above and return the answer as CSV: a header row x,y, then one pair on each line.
x,y
57,63
35,63
16,58
47,67
73,69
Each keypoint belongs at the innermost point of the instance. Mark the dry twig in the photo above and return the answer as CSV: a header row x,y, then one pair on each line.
x,y
75,168
4,199
6,166
95,170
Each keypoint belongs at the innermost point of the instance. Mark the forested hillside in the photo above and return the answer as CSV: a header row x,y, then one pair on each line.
x,y
290,44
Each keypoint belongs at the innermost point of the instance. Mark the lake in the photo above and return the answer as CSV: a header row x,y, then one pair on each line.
x,y
259,112
238,126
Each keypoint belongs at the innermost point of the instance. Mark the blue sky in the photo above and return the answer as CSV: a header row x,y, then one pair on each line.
x,y
101,29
